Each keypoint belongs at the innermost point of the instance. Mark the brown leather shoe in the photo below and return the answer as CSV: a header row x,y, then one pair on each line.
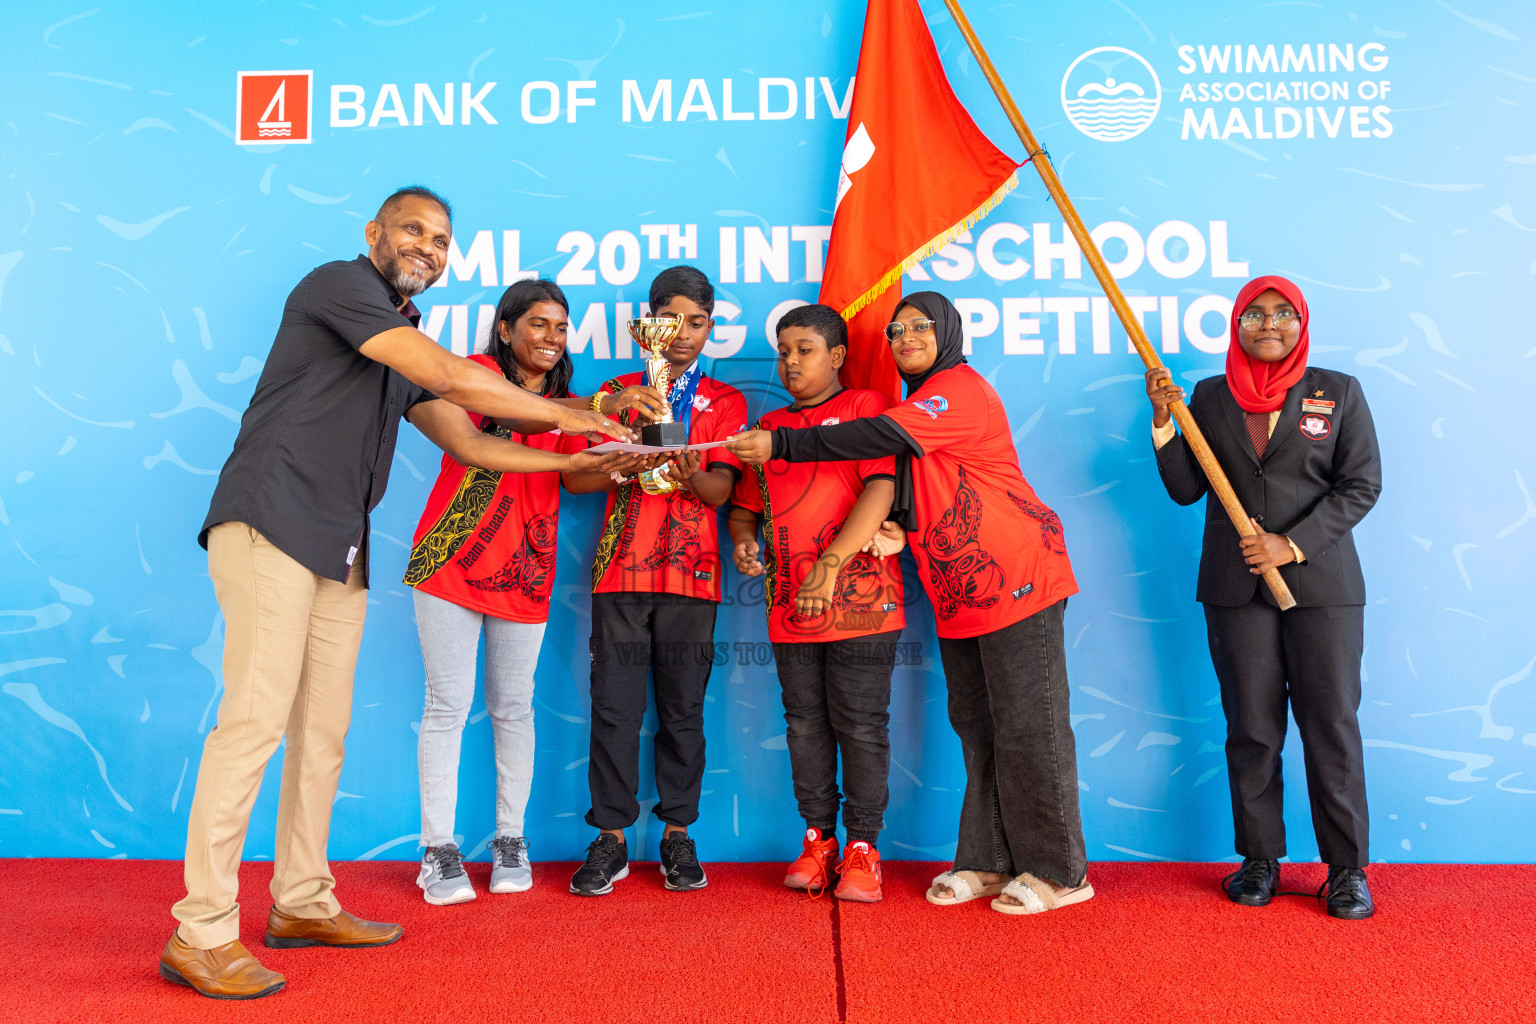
x,y
284,931
223,972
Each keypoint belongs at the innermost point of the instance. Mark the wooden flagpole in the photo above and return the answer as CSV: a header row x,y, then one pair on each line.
x,y
1192,435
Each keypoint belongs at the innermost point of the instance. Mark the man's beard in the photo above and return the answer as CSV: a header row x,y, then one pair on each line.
x,y
404,277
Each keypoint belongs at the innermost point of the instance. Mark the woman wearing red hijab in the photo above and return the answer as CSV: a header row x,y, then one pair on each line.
x,y
1300,451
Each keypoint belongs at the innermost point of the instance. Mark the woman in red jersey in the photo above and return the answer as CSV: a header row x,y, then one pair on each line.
x,y
483,561
993,562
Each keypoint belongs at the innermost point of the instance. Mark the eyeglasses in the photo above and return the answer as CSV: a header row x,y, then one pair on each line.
x,y
895,331
1283,320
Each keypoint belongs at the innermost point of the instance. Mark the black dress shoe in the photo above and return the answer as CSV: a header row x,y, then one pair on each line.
x,y
1253,884
1349,898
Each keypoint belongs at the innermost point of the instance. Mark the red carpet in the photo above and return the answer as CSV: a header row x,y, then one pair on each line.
x,y
79,941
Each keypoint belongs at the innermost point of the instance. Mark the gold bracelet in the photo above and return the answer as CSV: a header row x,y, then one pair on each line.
x,y
597,403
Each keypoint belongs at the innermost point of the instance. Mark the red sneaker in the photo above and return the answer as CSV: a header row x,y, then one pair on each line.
x,y
860,874
810,869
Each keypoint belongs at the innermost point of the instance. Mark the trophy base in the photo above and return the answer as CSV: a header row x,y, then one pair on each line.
x,y
664,435
656,481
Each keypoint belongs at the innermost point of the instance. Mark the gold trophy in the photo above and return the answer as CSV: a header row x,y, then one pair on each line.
x,y
655,333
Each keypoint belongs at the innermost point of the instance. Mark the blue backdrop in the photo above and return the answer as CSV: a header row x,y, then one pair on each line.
x,y
1382,155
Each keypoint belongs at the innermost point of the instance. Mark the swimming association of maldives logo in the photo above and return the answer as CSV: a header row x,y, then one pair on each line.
x,y
273,106
1111,94
933,406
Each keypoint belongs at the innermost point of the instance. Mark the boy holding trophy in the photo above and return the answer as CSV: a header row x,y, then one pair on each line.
x,y
655,591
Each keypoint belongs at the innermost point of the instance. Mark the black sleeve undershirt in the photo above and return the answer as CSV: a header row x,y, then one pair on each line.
x,y
869,437
735,473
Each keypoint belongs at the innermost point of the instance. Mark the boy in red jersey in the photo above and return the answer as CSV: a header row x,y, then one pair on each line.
x,y
834,608
655,591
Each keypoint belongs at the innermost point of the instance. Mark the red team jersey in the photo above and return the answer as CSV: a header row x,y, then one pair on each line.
x,y
989,552
804,505
670,544
486,540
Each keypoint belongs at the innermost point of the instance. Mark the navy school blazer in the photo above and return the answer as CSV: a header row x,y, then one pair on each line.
x,y
1319,476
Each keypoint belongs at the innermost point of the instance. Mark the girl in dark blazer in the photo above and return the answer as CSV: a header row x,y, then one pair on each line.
x,y
1299,448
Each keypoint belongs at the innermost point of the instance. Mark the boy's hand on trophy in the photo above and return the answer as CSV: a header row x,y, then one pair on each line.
x,y
685,463
645,400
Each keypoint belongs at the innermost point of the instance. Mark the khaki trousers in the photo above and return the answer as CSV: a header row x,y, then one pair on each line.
x,y
290,649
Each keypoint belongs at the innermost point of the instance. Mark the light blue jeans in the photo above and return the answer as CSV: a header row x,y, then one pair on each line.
x,y
450,641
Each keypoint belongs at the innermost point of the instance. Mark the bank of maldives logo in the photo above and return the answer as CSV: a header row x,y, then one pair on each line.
x,y
273,106
1111,94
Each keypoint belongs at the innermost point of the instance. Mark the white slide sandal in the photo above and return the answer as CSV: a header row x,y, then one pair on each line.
x,y
960,890
1036,896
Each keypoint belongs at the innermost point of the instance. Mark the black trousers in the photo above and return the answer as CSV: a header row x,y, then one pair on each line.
x,y
633,636
1310,657
837,697
1008,704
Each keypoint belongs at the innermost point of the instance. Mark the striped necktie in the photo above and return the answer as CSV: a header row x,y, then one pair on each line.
x,y
1258,431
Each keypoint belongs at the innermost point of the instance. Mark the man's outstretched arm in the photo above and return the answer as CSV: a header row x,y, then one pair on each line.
x,y
425,363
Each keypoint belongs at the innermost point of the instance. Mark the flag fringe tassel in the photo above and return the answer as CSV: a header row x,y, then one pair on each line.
x,y
930,247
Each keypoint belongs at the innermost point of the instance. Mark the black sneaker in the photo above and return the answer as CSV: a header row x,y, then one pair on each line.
x,y
607,862
1349,898
1253,884
680,863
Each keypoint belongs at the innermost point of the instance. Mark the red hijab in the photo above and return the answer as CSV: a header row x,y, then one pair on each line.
x,y
1261,387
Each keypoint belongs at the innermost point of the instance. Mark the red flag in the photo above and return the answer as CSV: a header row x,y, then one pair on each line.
x,y
916,172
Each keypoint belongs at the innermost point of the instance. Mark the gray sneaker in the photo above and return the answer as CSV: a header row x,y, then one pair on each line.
x,y
442,878
510,871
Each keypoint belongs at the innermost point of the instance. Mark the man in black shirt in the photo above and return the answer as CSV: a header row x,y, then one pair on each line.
x,y
287,540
